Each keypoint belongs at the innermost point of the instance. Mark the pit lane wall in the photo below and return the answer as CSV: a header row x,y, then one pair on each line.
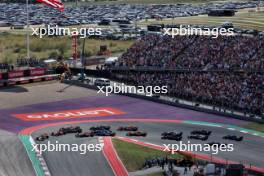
x,y
175,103
36,158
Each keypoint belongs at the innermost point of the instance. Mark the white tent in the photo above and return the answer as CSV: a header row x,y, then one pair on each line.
x,y
111,60
50,61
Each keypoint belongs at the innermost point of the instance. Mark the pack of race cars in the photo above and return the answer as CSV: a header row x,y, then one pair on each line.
x,y
94,131
202,135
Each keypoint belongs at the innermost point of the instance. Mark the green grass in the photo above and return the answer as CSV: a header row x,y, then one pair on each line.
x,y
243,19
133,156
255,126
13,46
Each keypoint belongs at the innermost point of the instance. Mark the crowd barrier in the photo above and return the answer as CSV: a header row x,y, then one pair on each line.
x,y
16,77
22,73
25,80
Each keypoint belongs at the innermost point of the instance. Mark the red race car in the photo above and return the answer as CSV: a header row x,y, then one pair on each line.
x,y
127,128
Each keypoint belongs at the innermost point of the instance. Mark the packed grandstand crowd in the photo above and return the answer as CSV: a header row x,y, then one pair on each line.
x,y
196,52
225,72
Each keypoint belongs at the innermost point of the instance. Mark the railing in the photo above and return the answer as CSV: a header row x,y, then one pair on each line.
x,y
156,68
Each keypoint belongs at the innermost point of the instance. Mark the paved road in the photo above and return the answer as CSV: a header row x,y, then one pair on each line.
x,y
248,151
13,157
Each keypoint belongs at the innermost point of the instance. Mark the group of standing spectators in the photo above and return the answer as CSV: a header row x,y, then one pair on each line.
x,y
31,62
4,67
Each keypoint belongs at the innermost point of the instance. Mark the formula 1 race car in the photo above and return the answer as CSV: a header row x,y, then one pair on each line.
x,y
201,132
103,133
172,136
100,128
85,134
42,137
66,130
233,137
199,137
171,133
58,133
128,128
137,133
71,129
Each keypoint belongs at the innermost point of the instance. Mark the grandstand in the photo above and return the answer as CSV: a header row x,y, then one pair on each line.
x,y
225,72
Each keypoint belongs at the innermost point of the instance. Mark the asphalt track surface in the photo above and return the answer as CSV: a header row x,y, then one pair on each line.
x,y
44,92
249,151
60,163
13,157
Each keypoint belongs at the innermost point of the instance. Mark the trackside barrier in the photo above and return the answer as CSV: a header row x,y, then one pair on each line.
x,y
25,80
113,159
25,139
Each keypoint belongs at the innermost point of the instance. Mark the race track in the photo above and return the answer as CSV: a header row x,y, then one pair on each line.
x,y
74,163
249,151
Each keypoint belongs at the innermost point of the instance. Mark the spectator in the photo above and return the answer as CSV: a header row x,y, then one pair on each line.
x,y
227,72
196,52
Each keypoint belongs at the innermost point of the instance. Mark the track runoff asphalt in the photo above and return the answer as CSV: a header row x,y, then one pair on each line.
x,y
13,157
249,151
